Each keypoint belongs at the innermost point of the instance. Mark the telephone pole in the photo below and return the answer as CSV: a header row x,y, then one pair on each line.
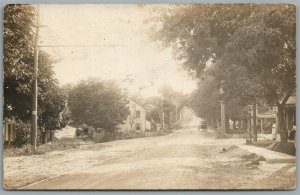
x,y
34,126
254,121
163,114
35,88
222,102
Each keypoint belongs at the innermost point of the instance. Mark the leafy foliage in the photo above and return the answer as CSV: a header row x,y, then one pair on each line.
x,y
18,49
154,115
22,133
98,103
52,100
257,38
19,34
251,46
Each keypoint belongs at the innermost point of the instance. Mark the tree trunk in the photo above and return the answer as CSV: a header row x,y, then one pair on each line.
x,y
51,135
254,121
249,129
234,123
213,123
281,127
44,138
227,125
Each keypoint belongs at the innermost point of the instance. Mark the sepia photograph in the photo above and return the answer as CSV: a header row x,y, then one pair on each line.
x,y
149,97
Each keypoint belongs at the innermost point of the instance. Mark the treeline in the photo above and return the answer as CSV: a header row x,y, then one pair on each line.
x,y
53,113
165,107
248,48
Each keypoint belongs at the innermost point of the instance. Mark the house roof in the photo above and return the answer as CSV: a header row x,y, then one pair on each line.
x,y
291,101
129,99
149,106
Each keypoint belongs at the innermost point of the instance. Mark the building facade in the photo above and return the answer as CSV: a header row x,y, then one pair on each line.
x,y
9,130
135,121
290,113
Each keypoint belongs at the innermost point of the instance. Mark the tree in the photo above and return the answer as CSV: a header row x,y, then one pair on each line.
x,y
155,112
19,21
170,103
154,115
240,88
205,101
53,111
258,38
100,104
19,32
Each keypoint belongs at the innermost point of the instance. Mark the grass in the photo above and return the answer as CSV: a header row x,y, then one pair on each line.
x,y
26,150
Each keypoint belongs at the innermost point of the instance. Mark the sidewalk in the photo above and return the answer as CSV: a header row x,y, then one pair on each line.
x,y
261,136
269,155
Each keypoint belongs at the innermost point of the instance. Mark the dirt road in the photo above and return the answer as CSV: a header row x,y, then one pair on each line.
x,y
185,159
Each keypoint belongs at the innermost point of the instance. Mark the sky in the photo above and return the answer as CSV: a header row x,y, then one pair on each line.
x,y
109,42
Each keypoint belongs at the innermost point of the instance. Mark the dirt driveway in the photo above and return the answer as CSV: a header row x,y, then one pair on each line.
x,y
185,159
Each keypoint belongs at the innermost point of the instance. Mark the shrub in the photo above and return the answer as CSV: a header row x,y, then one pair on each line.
x,y
22,136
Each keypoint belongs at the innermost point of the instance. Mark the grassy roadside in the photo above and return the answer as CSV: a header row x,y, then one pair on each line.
x,y
26,150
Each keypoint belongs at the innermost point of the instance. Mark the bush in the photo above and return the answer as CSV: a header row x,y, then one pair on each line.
x,y
25,150
22,136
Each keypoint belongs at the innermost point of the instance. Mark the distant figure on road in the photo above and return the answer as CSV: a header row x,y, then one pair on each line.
x,y
202,126
78,132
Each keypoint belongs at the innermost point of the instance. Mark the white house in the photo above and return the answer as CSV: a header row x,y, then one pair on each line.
x,y
135,121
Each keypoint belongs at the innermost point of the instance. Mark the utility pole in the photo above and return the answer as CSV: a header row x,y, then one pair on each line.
x,y
35,88
250,127
222,102
34,128
163,114
254,120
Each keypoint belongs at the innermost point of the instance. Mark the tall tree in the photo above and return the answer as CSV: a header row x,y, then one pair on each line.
x,y
52,101
100,104
19,32
171,100
19,21
259,38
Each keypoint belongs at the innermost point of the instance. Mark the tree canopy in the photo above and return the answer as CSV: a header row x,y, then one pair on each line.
x,y
18,38
251,47
258,38
19,34
100,104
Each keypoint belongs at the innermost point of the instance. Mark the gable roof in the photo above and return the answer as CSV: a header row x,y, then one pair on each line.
x,y
130,100
291,101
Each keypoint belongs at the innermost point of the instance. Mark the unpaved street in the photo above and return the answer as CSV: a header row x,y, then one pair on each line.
x,y
185,159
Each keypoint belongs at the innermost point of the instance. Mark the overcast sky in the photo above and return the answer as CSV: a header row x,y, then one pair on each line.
x,y
123,51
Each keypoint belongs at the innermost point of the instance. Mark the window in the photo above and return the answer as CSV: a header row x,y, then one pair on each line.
x,y
138,114
138,126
